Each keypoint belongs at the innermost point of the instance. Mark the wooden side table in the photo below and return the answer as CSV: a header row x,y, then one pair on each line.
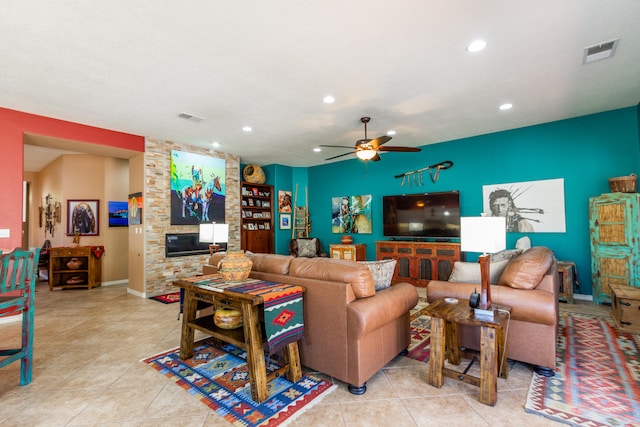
x,y
351,252
445,318
249,337
567,272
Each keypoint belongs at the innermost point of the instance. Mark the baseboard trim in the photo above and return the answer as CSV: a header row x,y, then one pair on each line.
x,y
116,282
136,293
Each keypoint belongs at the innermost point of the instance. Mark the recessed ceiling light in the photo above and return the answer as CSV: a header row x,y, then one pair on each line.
x,y
247,128
506,106
328,99
476,45
391,132
216,144
317,149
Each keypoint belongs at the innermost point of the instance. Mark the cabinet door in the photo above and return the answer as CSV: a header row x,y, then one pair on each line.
x,y
258,241
613,223
609,268
614,220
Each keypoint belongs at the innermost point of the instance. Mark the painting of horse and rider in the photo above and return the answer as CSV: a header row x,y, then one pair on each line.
x,y
351,214
197,188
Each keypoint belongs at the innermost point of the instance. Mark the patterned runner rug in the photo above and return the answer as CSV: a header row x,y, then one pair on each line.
x,y
597,381
218,377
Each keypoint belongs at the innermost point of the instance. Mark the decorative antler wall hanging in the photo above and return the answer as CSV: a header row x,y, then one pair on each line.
x,y
50,213
416,175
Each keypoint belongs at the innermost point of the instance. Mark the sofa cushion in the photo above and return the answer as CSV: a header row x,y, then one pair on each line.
x,y
307,247
382,272
271,263
335,270
266,263
469,272
526,270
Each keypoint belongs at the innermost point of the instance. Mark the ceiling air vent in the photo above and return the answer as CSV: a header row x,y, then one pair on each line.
x,y
191,117
600,51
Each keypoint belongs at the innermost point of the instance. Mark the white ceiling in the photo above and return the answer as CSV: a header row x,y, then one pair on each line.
x,y
134,66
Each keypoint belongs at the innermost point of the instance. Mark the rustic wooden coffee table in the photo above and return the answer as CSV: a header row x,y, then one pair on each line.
x,y
445,318
249,337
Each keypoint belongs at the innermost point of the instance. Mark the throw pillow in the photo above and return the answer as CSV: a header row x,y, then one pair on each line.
x,y
469,272
382,272
307,248
526,271
507,254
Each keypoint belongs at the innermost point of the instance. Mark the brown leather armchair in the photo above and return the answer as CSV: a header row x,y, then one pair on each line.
x,y
309,247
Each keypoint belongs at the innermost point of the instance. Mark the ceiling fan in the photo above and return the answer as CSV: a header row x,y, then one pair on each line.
x,y
367,149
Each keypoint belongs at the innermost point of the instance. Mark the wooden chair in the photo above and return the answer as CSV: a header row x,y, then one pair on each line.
x,y
18,275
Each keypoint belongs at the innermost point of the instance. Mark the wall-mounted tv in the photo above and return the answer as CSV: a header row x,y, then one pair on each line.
x,y
422,216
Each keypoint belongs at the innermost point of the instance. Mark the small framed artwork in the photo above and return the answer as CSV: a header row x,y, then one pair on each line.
x,y
83,217
284,201
135,209
118,213
285,221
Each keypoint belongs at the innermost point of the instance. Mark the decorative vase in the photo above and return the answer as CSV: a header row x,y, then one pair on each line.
x,y
235,267
253,174
347,239
227,318
74,264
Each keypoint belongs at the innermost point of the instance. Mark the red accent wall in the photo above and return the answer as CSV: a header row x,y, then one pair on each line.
x,y
13,126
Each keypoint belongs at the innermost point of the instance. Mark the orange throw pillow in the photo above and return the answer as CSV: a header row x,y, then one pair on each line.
x,y
526,270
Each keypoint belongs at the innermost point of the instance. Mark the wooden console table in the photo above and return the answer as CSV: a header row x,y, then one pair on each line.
x,y
84,272
249,337
420,262
445,318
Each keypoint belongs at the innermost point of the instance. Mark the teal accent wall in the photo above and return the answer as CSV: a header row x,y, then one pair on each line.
x,y
584,151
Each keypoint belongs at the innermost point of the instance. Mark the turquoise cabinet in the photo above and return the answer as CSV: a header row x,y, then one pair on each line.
x,y
613,225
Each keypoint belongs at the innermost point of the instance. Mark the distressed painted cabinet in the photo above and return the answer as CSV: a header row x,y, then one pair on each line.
x,y
613,225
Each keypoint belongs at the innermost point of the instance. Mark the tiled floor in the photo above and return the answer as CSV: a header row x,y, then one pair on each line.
x,y
87,371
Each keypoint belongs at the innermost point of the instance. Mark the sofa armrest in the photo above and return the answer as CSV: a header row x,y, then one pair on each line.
x,y
368,314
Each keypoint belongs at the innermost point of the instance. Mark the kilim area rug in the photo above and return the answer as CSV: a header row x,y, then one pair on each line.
x,y
597,380
420,332
168,298
219,378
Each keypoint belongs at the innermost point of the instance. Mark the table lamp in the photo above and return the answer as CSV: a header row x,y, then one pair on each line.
x,y
213,233
485,234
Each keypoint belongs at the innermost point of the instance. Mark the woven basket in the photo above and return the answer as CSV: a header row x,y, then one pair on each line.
x,y
624,184
253,174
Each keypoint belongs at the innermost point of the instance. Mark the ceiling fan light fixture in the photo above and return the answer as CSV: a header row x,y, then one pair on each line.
x,y
366,154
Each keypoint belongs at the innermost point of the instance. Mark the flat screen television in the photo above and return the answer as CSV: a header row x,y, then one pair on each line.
x,y
425,216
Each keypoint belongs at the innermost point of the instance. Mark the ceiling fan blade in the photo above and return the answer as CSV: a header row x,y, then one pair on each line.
x,y
375,143
339,155
335,146
376,158
400,149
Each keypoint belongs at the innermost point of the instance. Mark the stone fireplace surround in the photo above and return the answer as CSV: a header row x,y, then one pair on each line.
x,y
160,270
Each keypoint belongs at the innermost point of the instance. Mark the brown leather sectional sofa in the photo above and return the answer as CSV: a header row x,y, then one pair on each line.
x,y
351,330
529,284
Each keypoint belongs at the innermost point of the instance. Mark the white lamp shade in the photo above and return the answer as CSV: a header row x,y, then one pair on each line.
x,y
214,233
220,233
483,234
205,233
